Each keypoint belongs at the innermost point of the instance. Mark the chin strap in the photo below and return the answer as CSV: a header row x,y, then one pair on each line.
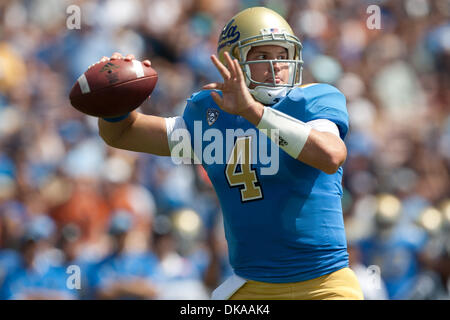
x,y
269,95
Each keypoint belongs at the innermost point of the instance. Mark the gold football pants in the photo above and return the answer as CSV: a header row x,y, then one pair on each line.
x,y
338,285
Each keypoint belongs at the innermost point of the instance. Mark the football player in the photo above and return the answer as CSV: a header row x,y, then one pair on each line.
x,y
285,231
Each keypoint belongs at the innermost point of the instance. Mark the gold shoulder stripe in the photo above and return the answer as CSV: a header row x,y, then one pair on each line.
x,y
307,85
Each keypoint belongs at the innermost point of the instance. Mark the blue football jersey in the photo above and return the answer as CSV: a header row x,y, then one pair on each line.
x,y
283,219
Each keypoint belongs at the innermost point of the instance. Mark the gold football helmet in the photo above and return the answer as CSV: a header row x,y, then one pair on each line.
x,y
261,26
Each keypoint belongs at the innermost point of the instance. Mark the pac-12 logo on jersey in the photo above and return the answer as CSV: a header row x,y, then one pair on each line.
x,y
212,115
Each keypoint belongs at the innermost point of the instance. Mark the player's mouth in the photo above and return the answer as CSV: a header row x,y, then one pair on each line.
x,y
278,80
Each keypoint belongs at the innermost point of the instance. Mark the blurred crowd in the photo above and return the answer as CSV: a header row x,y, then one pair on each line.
x,y
81,220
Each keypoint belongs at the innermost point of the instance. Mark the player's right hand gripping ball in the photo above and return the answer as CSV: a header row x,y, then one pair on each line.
x,y
113,88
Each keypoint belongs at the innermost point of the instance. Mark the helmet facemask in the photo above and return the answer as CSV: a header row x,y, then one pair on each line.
x,y
270,93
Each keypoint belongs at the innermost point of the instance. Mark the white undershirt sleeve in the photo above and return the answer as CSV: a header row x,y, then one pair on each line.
x,y
179,139
324,125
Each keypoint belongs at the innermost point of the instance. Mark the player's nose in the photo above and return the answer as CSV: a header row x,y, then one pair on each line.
x,y
276,66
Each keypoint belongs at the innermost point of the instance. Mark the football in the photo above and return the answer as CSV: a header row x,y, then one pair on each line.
x,y
113,88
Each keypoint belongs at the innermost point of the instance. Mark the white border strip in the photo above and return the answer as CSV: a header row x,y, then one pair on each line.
x,y
84,86
138,68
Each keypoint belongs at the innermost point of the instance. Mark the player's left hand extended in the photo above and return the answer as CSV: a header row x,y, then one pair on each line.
x,y
236,98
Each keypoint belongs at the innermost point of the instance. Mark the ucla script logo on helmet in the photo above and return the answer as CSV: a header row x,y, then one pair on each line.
x,y
229,35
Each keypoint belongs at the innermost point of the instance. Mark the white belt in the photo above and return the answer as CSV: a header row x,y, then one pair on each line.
x,y
228,288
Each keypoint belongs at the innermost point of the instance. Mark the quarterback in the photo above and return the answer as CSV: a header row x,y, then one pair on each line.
x,y
285,231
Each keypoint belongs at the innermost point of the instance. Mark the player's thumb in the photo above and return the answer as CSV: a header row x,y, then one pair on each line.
x,y
217,99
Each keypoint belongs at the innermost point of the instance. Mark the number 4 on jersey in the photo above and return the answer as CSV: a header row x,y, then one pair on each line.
x,y
246,177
